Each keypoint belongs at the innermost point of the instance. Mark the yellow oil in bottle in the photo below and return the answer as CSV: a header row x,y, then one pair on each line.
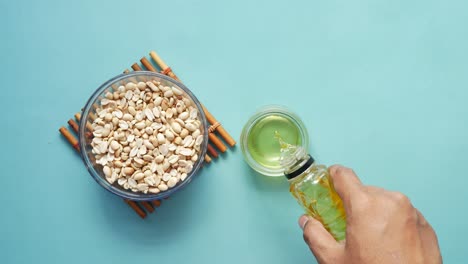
x,y
315,193
310,184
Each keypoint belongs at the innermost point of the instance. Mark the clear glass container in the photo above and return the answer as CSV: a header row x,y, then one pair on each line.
x,y
260,148
86,135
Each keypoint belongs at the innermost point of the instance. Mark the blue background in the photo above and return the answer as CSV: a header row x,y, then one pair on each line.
x,y
381,86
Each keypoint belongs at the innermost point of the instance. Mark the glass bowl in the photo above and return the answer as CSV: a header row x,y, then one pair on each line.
x,y
260,147
85,134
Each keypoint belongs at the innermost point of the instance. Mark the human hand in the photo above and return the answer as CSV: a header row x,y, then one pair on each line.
x,y
381,227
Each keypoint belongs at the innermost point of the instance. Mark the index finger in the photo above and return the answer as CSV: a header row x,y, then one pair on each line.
x,y
345,181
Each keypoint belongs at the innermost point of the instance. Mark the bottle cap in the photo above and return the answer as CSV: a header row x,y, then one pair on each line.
x,y
299,171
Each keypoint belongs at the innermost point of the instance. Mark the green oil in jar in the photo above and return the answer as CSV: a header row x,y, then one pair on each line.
x,y
262,144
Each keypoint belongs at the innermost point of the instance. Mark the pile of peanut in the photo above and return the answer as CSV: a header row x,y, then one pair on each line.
x,y
147,136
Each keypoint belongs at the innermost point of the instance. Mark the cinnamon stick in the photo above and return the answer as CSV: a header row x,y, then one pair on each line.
x,y
73,125
165,69
147,64
156,203
222,132
136,67
218,143
70,138
91,115
212,151
88,125
148,206
136,208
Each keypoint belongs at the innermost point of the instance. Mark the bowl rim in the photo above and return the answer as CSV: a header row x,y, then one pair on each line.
x,y
117,190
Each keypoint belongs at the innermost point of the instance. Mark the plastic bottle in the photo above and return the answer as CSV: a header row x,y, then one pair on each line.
x,y
310,184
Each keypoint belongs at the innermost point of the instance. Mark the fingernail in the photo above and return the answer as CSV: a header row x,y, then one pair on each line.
x,y
303,221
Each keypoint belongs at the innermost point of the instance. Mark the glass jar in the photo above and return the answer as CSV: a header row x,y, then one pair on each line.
x,y
259,146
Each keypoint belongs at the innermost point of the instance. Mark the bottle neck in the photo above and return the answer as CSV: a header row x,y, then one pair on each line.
x,y
299,167
294,159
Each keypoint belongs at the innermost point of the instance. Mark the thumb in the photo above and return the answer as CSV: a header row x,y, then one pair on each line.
x,y
320,241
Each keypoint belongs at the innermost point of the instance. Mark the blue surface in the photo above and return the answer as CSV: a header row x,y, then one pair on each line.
x,y
381,86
